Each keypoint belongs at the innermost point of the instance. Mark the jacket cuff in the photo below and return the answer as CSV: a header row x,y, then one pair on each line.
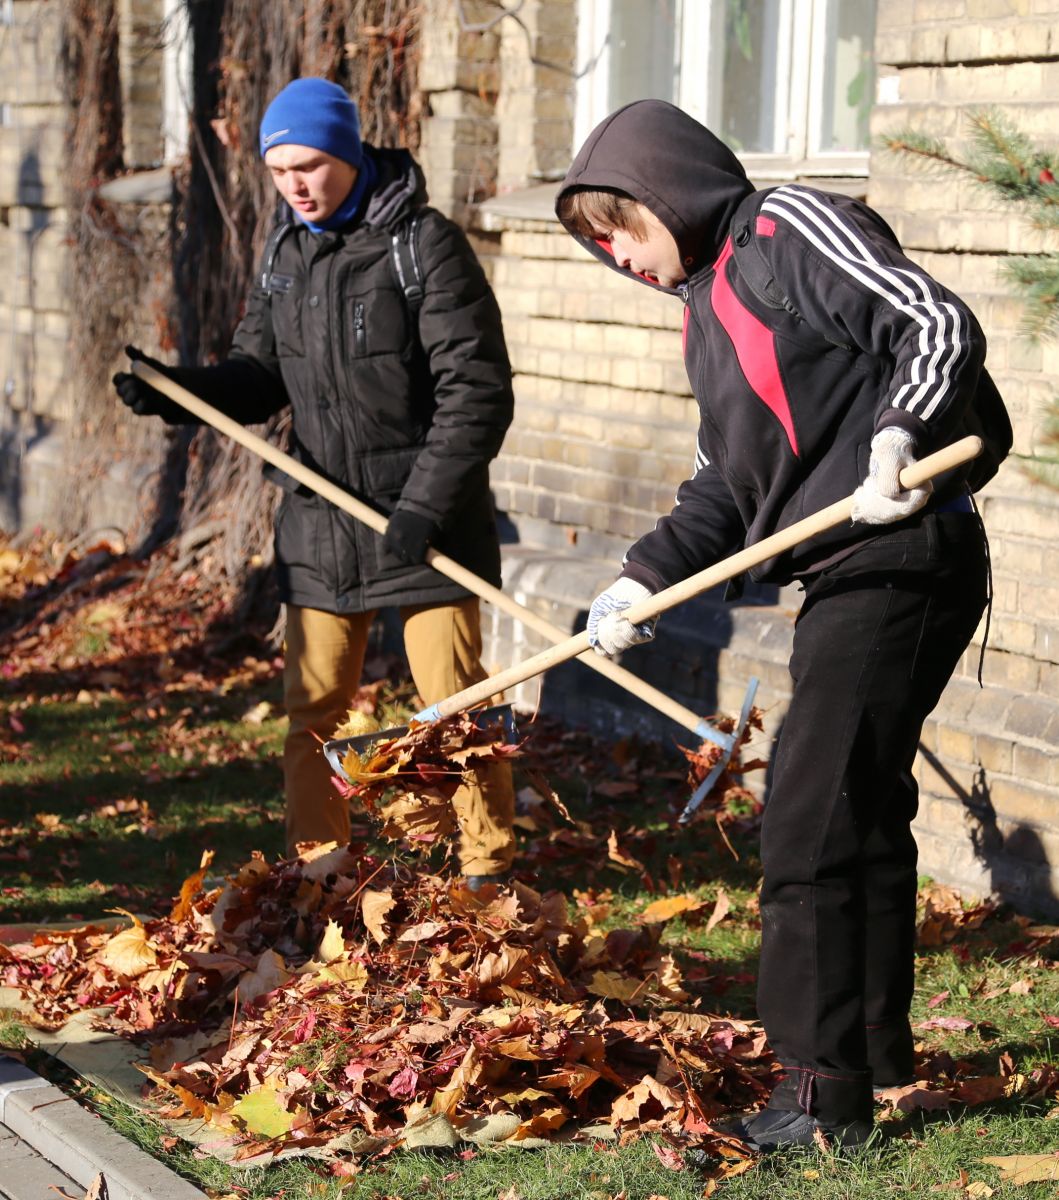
x,y
918,429
642,574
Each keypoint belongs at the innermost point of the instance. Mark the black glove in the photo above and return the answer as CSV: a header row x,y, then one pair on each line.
x,y
408,536
146,401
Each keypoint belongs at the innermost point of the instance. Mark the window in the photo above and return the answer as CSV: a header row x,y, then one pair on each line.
x,y
788,84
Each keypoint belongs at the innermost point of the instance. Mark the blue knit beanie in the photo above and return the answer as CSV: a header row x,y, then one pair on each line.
x,y
313,112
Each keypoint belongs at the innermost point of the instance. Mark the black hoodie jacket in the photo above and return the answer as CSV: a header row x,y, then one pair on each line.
x,y
399,410
788,402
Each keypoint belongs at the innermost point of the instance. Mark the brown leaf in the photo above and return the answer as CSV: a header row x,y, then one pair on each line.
x,y
982,1090
189,889
647,1102
913,1096
720,910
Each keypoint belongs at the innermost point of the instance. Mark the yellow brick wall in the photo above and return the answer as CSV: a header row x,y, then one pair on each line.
x,y
990,813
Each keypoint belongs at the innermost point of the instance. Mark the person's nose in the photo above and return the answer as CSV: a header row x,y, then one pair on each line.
x,y
620,257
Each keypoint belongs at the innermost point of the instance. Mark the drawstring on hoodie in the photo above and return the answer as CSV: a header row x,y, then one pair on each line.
x,y
988,591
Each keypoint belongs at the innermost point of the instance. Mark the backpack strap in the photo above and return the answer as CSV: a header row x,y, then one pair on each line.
x,y
754,267
270,282
404,257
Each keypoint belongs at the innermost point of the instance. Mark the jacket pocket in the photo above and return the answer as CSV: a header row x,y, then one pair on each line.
x,y
383,475
377,323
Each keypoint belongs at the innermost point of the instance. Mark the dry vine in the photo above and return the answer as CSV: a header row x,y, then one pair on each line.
x,y
244,52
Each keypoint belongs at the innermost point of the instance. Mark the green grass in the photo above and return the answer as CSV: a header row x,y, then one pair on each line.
x,y
75,839
212,781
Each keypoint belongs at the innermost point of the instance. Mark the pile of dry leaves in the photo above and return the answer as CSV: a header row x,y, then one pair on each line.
x,y
337,995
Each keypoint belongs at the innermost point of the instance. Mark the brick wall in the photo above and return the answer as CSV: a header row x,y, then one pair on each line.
x,y
604,426
604,429
988,774
33,323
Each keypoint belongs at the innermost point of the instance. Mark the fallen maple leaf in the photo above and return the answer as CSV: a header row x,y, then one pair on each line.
x,y
262,1111
374,908
913,1096
670,1158
646,1103
669,907
129,953
1026,1168
332,944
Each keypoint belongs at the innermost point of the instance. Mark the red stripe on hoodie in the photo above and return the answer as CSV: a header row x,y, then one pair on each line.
x,y
754,347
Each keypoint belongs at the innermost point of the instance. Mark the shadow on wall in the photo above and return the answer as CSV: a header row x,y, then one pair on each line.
x,y
20,427
1016,862
19,433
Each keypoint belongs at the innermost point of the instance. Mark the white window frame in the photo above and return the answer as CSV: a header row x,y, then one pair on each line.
x,y
799,87
176,80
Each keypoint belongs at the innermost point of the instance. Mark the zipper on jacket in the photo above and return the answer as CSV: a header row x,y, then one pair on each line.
x,y
360,341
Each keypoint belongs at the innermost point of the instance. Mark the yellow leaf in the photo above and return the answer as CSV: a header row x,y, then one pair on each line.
x,y
616,854
129,953
669,907
262,1112
374,908
354,973
332,944
978,1190
525,1096
1026,1168
612,986
356,724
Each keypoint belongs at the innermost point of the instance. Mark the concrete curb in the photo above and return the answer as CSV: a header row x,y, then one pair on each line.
x,y
80,1143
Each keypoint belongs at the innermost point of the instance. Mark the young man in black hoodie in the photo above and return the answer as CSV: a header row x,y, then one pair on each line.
x,y
400,390
824,370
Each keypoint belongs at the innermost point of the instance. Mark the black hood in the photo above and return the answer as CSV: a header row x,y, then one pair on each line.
x,y
400,188
671,164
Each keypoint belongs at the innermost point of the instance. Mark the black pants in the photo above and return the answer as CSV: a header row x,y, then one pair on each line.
x,y
877,638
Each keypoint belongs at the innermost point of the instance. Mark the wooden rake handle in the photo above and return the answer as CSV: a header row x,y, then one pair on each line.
x,y
440,562
786,539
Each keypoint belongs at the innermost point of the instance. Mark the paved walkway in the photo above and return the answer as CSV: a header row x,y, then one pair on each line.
x,y
46,1137
26,1175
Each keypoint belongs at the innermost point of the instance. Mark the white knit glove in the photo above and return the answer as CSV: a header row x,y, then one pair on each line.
x,y
609,633
880,499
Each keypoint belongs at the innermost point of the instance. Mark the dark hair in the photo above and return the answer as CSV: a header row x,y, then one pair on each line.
x,y
589,212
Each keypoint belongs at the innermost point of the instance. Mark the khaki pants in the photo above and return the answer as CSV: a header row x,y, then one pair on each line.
x,y
322,667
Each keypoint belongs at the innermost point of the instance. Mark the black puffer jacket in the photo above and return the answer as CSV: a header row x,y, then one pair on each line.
x,y
788,403
394,418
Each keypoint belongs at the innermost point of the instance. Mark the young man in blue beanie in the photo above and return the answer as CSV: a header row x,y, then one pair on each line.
x,y
373,320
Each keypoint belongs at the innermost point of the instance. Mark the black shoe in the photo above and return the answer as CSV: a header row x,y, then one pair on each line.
x,y
780,1129
475,882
